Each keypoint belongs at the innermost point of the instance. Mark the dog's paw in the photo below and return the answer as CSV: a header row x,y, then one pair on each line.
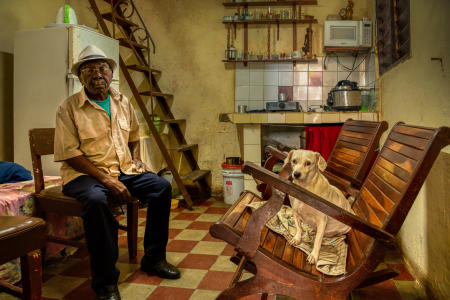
x,y
312,258
295,240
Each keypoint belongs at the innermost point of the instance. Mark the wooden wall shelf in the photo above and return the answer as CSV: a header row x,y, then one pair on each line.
x,y
299,60
347,49
271,3
273,21
294,20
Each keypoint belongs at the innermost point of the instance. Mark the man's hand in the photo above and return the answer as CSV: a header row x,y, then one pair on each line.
x,y
140,165
118,189
136,157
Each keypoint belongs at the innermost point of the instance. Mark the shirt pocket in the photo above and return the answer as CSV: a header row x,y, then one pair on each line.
x,y
124,129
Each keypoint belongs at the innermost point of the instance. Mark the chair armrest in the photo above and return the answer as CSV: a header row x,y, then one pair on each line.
x,y
281,155
317,202
249,242
279,145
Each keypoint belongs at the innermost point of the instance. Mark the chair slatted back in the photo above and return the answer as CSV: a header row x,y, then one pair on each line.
x,y
394,182
354,149
41,143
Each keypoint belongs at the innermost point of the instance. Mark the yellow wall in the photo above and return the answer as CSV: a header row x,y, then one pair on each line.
x,y
417,92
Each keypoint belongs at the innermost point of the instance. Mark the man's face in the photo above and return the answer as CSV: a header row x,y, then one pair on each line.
x,y
96,76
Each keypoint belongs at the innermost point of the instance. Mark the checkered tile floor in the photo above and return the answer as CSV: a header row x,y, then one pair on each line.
x,y
203,262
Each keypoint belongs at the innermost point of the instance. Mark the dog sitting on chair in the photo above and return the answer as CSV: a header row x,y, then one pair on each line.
x,y
307,168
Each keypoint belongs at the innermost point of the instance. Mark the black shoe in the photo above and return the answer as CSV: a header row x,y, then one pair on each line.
x,y
163,269
109,292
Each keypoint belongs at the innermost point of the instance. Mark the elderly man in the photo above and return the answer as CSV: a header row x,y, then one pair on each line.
x,y
97,141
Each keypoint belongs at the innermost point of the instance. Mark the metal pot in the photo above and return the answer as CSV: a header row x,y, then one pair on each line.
x,y
345,96
282,97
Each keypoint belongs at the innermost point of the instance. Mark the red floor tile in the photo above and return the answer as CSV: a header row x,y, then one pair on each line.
x,y
187,216
210,238
216,280
181,246
404,273
229,250
207,203
198,261
84,291
81,269
384,290
142,213
216,210
142,223
170,293
200,225
144,278
174,232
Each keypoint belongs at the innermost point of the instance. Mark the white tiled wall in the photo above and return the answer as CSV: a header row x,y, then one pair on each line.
x,y
258,83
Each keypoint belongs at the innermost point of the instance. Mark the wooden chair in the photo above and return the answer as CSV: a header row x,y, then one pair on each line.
x,y
22,237
386,196
52,200
350,159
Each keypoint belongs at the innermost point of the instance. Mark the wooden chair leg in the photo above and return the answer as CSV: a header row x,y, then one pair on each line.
x,y
132,228
238,273
31,275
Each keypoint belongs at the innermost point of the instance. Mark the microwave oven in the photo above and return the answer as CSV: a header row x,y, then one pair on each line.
x,y
346,33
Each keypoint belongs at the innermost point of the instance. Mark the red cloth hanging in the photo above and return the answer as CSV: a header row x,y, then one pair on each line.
x,y
322,139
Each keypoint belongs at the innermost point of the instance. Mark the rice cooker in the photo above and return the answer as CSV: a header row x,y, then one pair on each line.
x,y
345,96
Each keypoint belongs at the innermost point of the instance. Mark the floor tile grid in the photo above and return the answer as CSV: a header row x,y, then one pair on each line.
x,y
203,262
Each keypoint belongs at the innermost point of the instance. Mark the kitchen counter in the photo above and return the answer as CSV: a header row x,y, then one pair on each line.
x,y
297,117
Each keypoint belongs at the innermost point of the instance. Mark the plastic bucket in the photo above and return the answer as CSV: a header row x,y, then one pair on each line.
x,y
233,182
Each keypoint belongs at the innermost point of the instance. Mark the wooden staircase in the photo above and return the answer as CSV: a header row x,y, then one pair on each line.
x,y
126,32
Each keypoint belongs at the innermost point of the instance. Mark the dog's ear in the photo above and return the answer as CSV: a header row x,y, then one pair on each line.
x,y
321,162
288,158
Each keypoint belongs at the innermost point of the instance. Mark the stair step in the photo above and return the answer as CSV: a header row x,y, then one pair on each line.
x,y
144,69
195,175
155,94
172,121
125,43
184,147
120,20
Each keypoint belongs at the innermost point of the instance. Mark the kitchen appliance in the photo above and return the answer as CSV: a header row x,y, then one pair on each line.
x,y
283,106
345,96
50,51
346,33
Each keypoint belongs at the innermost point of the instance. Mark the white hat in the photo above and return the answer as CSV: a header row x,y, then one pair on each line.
x,y
92,52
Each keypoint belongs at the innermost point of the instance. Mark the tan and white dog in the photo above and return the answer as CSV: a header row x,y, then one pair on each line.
x,y
307,168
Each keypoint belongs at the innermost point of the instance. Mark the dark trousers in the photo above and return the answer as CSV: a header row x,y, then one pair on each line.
x,y
101,227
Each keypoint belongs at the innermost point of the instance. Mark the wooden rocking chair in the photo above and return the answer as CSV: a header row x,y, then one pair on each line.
x,y
386,196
